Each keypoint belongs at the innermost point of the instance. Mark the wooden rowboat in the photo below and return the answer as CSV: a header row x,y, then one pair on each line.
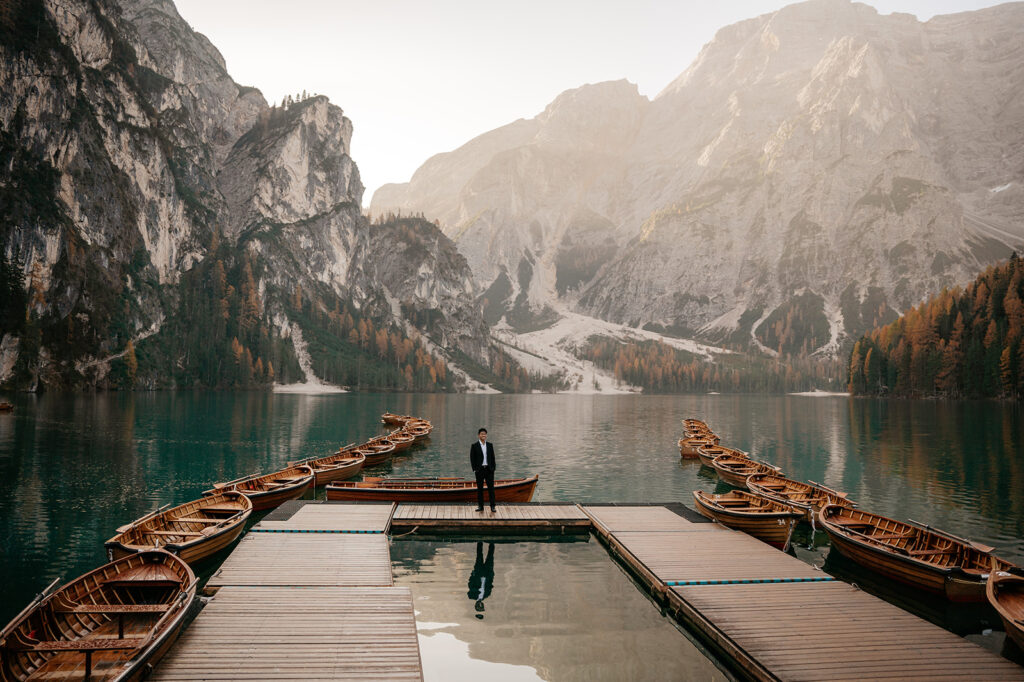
x,y
707,453
429,489
916,555
401,439
6,407
392,419
375,452
767,520
270,490
343,464
810,497
112,623
193,531
419,429
688,446
1005,593
735,470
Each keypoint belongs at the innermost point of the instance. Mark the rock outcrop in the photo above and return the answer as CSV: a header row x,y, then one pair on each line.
x,y
136,172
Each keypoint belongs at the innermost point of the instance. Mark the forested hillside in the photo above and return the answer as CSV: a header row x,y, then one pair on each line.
x,y
961,343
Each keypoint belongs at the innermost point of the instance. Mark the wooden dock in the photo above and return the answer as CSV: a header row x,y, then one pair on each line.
x,y
519,518
775,617
307,595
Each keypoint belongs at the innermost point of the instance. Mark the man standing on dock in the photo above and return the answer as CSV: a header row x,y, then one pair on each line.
x,y
481,458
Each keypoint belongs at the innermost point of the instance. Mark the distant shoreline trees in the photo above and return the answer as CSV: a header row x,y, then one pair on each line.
x,y
961,343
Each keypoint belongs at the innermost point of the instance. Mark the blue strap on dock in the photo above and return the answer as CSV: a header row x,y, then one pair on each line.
x,y
748,581
302,530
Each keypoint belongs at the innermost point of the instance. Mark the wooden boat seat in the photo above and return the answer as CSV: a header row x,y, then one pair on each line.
x,y
929,552
171,532
113,608
198,519
84,645
115,583
222,510
851,523
106,644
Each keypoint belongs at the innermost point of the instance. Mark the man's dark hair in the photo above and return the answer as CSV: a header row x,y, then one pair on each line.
x,y
481,430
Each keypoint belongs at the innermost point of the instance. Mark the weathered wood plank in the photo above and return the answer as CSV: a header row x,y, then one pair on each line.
x,y
832,630
306,559
618,519
335,517
321,633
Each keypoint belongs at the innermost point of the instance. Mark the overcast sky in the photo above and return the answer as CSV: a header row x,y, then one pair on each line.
x,y
418,77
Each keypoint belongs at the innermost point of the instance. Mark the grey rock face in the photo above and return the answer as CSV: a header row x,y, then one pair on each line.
x,y
821,149
131,152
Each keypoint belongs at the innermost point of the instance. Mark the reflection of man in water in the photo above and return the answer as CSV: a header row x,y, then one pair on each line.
x,y
482,578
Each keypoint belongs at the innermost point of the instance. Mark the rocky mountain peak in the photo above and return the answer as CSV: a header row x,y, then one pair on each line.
x,y
822,162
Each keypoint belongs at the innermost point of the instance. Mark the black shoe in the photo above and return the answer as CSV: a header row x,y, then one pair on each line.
x,y
479,508
493,509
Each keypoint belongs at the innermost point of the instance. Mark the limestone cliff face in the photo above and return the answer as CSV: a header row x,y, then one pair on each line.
x,y
822,162
130,157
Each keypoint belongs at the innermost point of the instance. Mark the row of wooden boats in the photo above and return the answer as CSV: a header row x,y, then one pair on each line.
x,y
695,434
768,506
115,622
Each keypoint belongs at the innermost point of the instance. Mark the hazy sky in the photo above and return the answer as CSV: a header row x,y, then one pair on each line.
x,y
418,77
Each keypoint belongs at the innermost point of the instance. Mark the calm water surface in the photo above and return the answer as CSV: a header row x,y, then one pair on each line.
x,y
533,610
73,468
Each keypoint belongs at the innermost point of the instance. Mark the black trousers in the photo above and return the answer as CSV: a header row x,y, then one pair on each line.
x,y
484,475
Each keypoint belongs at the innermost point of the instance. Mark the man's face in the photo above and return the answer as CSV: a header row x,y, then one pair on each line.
x,y
483,436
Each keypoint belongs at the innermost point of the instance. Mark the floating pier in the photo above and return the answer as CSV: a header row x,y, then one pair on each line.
x,y
308,594
775,617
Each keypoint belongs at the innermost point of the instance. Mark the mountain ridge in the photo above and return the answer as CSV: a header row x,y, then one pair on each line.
x,y
822,148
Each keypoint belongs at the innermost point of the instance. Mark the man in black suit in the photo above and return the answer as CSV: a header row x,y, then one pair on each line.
x,y
481,458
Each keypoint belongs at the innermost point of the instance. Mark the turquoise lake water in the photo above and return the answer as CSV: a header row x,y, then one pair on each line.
x,y
73,468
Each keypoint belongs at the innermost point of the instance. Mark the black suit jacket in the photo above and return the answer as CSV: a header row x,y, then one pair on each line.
x,y
476,455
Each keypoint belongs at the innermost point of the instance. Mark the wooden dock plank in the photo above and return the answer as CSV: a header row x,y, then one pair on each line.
x,y
727,555
335,517
306,559
509,518
505,512
642,518
831,630
248,633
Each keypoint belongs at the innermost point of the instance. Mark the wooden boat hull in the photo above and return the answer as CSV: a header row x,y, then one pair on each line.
x,y
1005,593
688,447
401,441
707,454
509,490
207,539
737,476
271,499
772,527
808,497
953,582
264,493
337,471
81,623
376,457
